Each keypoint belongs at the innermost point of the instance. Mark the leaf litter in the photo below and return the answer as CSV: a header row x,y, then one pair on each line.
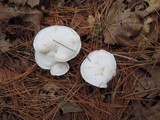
x,y
131,30
125,26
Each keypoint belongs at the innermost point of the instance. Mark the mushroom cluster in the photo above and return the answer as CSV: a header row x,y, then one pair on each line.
x,y
54,46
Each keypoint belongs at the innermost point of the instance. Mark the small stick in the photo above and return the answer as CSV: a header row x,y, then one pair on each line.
x,y
63,45
125,57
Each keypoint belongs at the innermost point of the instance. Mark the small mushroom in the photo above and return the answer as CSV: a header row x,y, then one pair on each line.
x,y
59,69
98,68
45,61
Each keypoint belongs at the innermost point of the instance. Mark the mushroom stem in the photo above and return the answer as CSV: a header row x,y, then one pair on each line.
x,y
63,45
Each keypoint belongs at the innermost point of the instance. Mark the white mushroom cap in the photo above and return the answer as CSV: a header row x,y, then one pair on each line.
x,y
63,41
45,61
60,69
98,68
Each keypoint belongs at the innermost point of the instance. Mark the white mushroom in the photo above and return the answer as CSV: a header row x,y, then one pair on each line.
x,y
63,41
45,61
59,69
54,46
98,68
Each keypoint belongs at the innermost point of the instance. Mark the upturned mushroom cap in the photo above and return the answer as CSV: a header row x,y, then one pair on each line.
x,y
59,69
45,61
63,41
98,68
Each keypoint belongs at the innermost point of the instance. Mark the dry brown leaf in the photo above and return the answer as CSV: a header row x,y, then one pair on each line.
x,y
154,5
49,91
154,112
33,3
26,13
34,18
126,26
111,15
18,2
148,78
7,13
143,113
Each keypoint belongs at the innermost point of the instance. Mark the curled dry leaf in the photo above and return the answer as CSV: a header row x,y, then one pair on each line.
x,y
146,26
154,6
26,13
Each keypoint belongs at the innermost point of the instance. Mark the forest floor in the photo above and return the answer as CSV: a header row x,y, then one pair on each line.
x,y
130,29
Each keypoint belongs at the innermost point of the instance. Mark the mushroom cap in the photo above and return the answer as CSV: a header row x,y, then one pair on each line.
x,y
45,61
59,69
63,41
98,68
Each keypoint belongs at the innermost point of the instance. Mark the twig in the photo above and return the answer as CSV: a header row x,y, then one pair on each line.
x,y
63,45
126,57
